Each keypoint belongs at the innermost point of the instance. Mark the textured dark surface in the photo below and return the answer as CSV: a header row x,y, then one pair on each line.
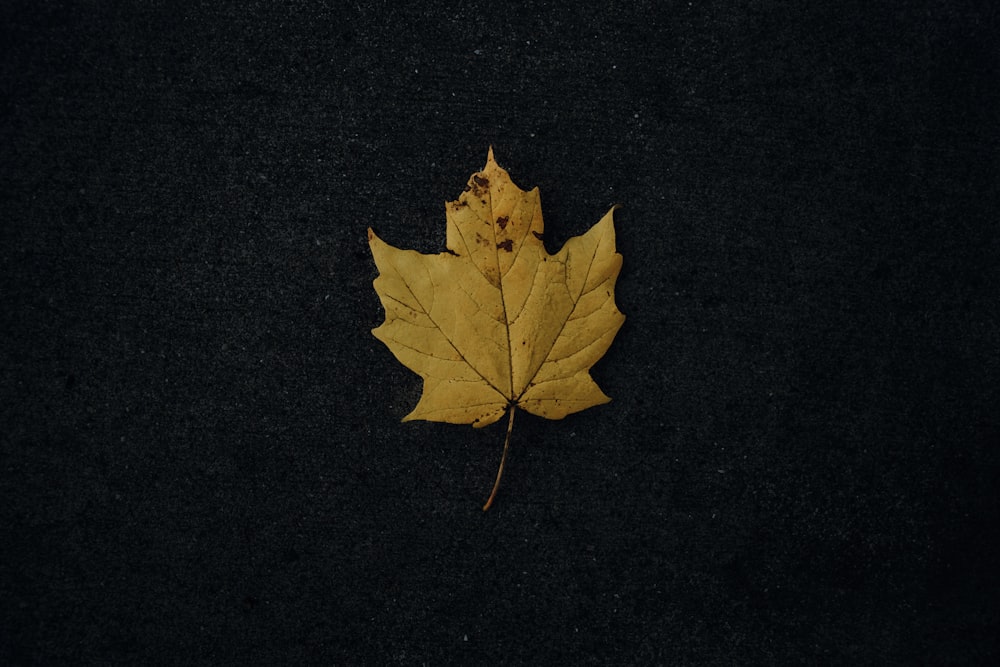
x,y
201,458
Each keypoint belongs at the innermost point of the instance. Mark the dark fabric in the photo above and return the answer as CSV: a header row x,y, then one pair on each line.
x,y
201,453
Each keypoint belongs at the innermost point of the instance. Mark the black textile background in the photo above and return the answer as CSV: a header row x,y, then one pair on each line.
x,y
201,458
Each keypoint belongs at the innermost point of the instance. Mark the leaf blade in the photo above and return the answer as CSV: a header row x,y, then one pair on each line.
x,y
496,321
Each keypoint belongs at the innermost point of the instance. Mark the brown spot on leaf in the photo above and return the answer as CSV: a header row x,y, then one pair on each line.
x,y
502,222
478,185
507,245
537,235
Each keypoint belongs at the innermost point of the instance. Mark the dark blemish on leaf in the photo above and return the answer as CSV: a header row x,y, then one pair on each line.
x,y
478,185
459,204
451,252
502,222
537,235
507,245
524,342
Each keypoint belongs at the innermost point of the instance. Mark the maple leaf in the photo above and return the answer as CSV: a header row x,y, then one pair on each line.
x,y
496,323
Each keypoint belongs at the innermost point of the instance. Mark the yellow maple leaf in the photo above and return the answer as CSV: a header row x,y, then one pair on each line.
x,y
497,323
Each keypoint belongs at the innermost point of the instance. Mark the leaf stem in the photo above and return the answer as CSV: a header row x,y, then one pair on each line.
x,y
503,459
